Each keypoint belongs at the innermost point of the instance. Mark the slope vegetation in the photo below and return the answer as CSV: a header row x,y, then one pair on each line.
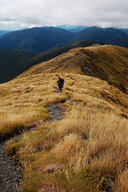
x,y
87,150
77,153
13,63
109,63
120,41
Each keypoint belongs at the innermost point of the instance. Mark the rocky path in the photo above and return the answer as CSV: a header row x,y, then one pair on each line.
x,y
10,173
56,111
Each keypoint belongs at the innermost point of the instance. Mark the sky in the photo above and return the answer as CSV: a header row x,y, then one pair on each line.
x,y
20,14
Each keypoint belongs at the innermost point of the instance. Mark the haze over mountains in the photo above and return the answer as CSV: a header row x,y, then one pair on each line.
x,y
2,32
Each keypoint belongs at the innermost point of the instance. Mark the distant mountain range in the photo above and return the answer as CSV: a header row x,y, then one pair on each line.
x,y
124,30
101,34
2,32
37,40
73,29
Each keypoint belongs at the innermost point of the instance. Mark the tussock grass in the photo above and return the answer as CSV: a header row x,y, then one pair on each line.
x,y
90,144
23,101
11,126
122,181
103,150
14,122
92,148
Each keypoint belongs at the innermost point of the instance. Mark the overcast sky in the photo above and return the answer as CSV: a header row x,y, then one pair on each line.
x,y
17,14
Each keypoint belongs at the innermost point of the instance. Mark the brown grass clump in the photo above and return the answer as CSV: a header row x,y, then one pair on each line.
x,y
10,126
122,181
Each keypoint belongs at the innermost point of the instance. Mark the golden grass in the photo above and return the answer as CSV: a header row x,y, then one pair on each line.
x,y
26,97
122,181
105,62
90,144
23,101
87,141
98,142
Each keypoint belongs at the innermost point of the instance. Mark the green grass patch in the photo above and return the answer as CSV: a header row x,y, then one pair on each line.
x,y
31,181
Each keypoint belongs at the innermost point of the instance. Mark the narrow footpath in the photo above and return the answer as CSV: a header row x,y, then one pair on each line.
x,y
10,172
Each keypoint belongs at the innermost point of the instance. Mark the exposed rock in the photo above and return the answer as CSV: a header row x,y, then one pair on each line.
x,y
10,173
52,168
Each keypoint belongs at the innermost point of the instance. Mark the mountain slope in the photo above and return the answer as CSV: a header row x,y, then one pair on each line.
x,y
77,29
83,145
124,30
13,63
35,40
99,34
55,52
109,63
120,41
2,32
85,151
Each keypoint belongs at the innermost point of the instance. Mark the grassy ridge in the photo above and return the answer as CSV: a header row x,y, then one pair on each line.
x,y
86,151
106,62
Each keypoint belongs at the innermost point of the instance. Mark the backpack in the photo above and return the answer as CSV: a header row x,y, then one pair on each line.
x,y
61,82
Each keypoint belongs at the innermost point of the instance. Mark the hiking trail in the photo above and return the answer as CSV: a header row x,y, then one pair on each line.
x,y
10,172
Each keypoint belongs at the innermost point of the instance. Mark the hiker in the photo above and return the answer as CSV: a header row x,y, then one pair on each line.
x,y
60,84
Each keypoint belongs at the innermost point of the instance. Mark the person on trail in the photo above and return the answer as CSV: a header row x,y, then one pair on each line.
x,y
60,84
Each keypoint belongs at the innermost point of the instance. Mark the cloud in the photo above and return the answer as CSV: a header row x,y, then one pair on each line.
x,y
30,13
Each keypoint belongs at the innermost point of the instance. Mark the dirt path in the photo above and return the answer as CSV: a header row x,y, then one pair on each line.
x,y
56,110
10,173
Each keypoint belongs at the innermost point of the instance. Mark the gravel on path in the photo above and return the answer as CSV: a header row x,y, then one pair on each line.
x,y
10,172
